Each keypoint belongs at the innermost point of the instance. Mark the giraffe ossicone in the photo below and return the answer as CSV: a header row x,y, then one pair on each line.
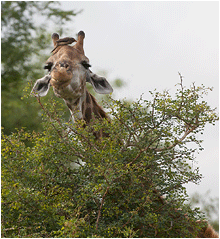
x,y
68,72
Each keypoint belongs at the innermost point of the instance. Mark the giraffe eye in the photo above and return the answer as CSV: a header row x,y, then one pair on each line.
x,y
86,64
48,66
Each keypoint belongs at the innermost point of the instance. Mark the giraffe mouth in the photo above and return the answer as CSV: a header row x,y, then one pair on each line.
x,y
60,78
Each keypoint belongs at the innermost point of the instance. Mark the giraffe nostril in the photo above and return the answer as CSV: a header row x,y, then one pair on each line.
x,y
63,64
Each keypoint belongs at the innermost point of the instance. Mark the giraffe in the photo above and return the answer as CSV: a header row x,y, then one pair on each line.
x,y
68,72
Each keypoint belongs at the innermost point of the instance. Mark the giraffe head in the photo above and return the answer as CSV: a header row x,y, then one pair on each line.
x,y
68,66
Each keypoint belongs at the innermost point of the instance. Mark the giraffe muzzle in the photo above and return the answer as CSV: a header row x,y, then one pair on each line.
x,y
61,74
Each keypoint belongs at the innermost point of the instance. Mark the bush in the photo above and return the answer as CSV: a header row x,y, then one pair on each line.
x,y
65,183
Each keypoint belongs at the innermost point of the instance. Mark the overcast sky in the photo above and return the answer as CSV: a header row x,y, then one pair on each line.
x,y
146,44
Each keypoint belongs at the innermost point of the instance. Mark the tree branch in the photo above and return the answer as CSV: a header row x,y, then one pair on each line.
x,y
99,213
187,132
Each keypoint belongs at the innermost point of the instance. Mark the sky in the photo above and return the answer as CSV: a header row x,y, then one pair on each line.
x,y
146,44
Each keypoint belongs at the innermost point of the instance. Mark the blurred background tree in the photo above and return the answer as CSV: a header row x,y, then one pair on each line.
x,y
209,205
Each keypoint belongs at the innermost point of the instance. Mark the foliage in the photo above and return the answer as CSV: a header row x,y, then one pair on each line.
x,y
62,182
23,50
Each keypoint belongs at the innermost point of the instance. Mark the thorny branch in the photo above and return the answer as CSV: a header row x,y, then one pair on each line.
x,y
177,141
99,213
143,150
182,96
133,132
85,139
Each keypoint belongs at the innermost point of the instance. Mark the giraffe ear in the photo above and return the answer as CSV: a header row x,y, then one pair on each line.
x,y
41,86
100,84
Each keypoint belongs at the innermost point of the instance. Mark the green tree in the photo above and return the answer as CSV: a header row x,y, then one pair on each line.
x,y
24,45
61,182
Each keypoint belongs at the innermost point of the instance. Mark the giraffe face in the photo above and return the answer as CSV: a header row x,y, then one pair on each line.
x,y
68,69
68,65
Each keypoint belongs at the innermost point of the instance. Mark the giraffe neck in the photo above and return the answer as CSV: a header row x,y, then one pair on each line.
x,y
91,109
73,95
82,105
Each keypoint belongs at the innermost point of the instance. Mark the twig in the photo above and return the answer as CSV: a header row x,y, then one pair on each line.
x,y
152,113
99,213
182,98
85,139
187,132
136,136
142,150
